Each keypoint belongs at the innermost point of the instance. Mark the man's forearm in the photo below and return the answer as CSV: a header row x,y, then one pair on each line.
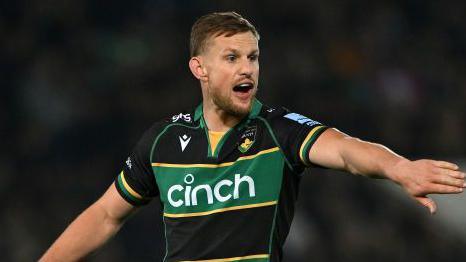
x,y
85,234
369,159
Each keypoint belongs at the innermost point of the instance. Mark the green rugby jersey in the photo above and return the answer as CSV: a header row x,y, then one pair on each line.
x,y
233,204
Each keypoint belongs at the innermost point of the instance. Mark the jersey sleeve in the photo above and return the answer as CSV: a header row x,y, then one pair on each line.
x,y
296,135
136,182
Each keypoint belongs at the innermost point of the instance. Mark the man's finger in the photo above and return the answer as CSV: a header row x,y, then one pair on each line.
x,y
445,164
449,172
448,180
427,202
457,174
444,189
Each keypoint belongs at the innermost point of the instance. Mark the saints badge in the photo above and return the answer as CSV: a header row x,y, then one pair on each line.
x,y
247,139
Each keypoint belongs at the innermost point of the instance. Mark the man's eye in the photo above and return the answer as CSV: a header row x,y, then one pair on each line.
x,y
231,58
253,57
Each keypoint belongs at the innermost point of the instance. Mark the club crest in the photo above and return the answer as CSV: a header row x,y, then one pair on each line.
x,y
247,139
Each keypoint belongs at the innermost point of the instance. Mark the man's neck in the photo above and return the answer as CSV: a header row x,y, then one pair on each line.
x,y
219,120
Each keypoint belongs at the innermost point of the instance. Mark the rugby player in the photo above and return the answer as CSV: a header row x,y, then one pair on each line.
x,y
227,172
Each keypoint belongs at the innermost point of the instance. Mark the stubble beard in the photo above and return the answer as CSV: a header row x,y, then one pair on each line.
x,y
226,104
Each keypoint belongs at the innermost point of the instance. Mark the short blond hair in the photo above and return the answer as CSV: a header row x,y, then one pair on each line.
x,y
216,24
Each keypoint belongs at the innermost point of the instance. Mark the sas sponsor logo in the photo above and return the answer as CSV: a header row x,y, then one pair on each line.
x,y
223,191
301,119
181,116
247,139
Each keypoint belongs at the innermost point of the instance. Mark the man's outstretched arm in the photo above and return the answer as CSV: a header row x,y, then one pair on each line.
x,y
337,150
91,229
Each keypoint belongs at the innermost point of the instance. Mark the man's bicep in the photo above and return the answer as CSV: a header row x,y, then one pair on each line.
x,y
327,149
114,205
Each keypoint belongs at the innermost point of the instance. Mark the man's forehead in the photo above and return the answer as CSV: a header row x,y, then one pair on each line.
x,y
238,42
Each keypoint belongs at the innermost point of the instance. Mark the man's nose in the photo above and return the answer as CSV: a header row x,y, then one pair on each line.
x,y
247,68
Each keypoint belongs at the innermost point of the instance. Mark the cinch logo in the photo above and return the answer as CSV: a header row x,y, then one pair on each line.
x,y
191,194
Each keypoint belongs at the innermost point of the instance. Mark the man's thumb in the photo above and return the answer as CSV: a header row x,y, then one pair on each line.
x,y
427,202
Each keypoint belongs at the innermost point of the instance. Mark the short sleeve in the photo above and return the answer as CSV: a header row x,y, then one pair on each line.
x,y
136,182
296,135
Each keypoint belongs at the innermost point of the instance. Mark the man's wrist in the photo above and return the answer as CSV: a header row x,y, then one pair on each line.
x,y
391,170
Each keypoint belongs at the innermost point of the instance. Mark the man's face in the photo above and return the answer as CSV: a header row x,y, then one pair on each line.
x,y
232,69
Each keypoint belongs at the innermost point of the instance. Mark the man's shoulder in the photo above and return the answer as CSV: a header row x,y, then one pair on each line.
x,y
272,112
275,114
184,118
281,117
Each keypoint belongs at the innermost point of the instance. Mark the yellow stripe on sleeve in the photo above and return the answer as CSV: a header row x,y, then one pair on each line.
x,y
128,188
306,140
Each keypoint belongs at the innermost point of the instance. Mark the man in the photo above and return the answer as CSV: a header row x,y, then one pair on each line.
x,y
227,173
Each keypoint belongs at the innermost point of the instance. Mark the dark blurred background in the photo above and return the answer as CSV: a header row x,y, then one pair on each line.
x,y
82,80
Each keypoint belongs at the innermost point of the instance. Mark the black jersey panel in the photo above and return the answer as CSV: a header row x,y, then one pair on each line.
x,y
223,235
181,144
292,131
285,211
136,182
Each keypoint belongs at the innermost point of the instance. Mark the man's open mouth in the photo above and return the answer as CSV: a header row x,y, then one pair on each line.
x,y
243,88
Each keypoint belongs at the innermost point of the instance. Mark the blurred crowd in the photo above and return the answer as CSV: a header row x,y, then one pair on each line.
x,y
81,81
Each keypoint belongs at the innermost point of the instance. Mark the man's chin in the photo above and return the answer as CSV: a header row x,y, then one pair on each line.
x,y
243,107
235,107
239,110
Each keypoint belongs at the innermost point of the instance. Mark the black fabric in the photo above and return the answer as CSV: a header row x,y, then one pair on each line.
x,y
232,233
290,133
222,235
285,212
137,168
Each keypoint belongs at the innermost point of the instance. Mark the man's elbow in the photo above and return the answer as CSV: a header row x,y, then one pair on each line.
x,y
111,221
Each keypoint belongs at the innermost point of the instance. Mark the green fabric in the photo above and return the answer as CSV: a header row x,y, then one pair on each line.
x,y
264,173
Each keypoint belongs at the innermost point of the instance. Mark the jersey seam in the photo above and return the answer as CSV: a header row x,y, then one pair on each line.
x,y
166,238
273,227
274,222
203,125
276,142
220,143
150,159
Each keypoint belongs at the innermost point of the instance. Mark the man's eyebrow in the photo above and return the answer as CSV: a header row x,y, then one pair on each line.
x,y
233,50
229,49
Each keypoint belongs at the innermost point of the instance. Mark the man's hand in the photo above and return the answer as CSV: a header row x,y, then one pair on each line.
x,y
422,177
336,150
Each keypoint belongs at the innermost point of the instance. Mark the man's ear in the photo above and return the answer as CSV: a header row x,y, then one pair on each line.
x,y
197,68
